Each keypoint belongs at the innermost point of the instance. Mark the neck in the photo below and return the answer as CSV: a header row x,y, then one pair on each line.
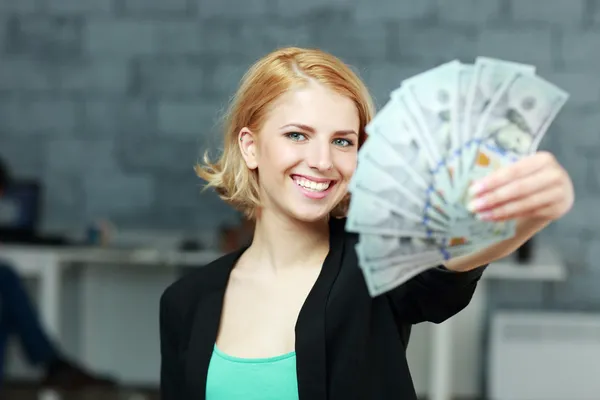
x,y
282,243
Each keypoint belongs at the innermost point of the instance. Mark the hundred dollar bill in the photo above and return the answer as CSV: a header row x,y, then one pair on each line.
x,y
379,153
515,123
432,97
381,251
382,281
367,214
490,77
368,178
394,124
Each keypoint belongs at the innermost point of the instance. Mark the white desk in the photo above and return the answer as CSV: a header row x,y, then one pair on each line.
x,y
546,266
49,263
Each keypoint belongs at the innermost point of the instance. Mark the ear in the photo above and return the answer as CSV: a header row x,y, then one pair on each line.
x,y
247,143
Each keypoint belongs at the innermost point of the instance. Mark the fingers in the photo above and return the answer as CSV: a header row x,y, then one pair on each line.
x,y
540,204
517,189
520,169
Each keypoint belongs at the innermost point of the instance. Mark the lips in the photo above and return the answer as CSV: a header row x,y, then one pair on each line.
x,y
313,184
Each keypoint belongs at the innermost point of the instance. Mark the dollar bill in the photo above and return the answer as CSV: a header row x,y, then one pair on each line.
x,y
380,184
381,251
490,77
515,123
432,97
379,153
368,214
382,281
394,124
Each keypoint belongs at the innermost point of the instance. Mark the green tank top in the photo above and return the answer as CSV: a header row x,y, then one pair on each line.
x,y
234,378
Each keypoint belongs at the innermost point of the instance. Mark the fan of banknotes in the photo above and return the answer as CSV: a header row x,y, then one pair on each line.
x,y
440,131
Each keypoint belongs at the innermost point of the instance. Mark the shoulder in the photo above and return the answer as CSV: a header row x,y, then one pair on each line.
x,y
182,295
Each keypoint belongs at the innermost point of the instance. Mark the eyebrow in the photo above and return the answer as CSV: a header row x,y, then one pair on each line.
x,y
312,130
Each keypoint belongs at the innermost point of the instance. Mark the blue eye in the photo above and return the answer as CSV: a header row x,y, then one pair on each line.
x,y
296,136
343,142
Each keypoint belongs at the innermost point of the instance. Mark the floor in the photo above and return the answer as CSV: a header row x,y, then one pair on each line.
x,y
30,392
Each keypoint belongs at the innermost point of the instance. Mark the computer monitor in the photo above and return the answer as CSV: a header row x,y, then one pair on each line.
x,y
20,210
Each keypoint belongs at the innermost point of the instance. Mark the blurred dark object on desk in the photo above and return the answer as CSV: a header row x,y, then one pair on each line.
x,y
525,252
234,237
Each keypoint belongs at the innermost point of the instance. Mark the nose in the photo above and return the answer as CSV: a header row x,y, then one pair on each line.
x,y
319,157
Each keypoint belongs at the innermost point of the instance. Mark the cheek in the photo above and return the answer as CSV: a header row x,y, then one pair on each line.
x,y
279,158
347,165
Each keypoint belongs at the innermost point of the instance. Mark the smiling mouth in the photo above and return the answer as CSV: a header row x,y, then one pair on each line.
x,y
311,185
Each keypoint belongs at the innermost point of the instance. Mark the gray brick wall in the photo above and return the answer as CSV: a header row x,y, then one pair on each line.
x,y
110,102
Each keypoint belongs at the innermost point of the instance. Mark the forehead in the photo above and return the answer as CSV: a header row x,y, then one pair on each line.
x,y
317,106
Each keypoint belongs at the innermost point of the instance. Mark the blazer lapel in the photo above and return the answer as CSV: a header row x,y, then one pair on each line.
x,y
310,328
206,324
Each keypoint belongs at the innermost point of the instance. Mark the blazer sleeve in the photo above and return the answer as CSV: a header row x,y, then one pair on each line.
x,y
171,371
435,295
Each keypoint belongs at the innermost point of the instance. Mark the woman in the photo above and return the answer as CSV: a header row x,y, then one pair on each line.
x,y
289,316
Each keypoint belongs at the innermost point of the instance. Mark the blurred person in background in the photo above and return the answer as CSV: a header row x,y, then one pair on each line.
x,y
289,316
18,317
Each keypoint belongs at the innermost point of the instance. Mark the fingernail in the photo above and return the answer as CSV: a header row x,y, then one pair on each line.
x,y
475,188
485,216
476,204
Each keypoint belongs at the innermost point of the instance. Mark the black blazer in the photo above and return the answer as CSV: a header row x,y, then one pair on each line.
x,y
348,345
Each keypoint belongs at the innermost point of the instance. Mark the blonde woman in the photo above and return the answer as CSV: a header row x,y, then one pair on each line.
x,y
289,316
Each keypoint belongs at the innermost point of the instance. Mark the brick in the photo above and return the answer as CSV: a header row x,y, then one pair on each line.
x,y
21,6
155,7
335,36
118,116
24,156
177,76
561,12
583,87
581,51
583,215
593,254
79,6
48,116
63,208
578,129
571,246
295,9
187,118
95,76
468,12
158,154
181,190
580,290
531,46
430,46
120,195
51,39
256,39
106,37
80,156
593,176
19,74
382,78
178,37
516,294
232,8
226,78
578,166
393,9
250,39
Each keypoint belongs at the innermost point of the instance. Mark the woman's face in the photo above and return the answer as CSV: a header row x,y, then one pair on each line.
x,y
305,153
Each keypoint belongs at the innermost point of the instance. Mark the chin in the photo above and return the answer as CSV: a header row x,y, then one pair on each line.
x,y
309,214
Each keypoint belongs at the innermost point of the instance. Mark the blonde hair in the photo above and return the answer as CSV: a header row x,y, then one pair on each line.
x,y
265,81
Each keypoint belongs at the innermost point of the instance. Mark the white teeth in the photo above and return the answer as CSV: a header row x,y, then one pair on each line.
x,y
310,185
